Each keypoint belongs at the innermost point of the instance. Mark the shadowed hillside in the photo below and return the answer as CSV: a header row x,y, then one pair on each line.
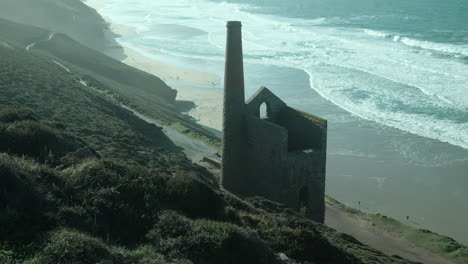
x,y
142,91
31,81
72,17
78,207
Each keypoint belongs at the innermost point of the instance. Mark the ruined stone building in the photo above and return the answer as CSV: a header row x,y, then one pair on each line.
x,y
282,156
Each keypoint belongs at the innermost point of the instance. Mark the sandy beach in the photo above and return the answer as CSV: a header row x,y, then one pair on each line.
x,y
202,88
191,85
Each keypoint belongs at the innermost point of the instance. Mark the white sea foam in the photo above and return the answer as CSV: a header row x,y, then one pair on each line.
x,y
375,75
439,47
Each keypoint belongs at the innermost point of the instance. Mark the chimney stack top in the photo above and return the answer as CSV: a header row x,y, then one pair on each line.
x,y
234,24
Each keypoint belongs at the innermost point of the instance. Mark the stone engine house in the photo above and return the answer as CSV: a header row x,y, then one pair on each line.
x,y
282,156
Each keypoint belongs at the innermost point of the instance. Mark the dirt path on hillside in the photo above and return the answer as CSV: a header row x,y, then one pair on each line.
x,y
388,243
194,149
34,43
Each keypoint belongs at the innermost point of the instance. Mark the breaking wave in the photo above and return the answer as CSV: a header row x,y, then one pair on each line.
x,y
359,70
422,44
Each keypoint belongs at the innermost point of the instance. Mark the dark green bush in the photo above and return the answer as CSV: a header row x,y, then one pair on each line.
x,y
193,197
205,241
9,115
23,205
142,255
123,200
30,138
299,239
294,243
218,242
71,247
6,257
170,225
75,217
44,141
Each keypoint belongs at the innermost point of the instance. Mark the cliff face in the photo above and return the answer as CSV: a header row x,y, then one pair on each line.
x,y
88,63
43,85
71,17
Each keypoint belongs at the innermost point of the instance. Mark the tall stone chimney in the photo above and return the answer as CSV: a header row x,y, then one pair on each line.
x,y
233,113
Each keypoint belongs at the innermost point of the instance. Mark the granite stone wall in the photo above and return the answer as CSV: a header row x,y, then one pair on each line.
x,y
281,157
266,155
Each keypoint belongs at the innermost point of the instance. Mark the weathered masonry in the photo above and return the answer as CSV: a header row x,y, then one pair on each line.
x,y
281,156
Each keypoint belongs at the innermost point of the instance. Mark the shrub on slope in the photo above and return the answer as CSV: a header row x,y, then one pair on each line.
x,y
206,241
122,200
127,213
24,205
23,134
65,246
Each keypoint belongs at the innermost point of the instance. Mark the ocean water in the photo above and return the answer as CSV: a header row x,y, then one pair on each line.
x,y
400,63
391,76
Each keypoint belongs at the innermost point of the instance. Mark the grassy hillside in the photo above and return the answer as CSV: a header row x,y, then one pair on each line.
x,y
144,92
60,204
71,17
31,81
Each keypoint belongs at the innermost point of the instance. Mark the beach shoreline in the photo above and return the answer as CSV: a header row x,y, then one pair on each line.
x,y
191,85
202,88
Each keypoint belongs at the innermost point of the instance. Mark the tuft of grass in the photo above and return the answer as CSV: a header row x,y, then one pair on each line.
x,y
6,257
24,205
222,242
66,246
145,254
123,200
9,115
47,142
170,224
299,239
30,138
207,241
194,197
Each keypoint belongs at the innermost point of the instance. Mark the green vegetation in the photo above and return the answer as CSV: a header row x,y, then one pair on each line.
x,y
436,243
65,246
37,83
88,209
119,82
85,180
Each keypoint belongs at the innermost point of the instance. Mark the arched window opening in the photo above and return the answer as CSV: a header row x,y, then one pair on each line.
x,y
264,111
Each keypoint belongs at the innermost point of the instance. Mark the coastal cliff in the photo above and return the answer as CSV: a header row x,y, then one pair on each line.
x,y
96,183
77,20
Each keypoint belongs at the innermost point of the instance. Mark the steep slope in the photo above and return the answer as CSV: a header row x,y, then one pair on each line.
x,y
86,61
126,190
74,208
137,89
76,19
38,83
